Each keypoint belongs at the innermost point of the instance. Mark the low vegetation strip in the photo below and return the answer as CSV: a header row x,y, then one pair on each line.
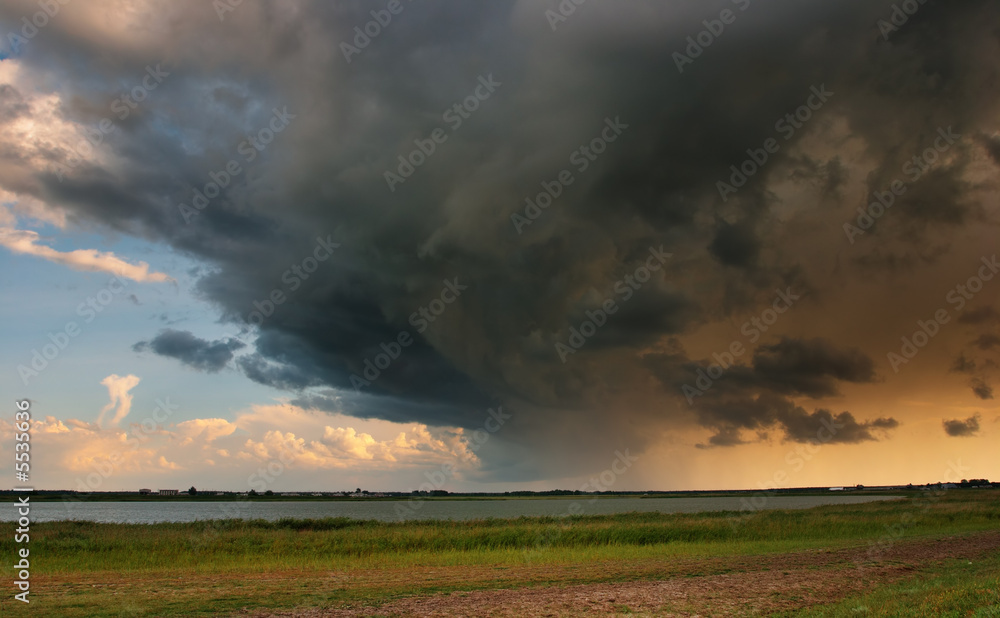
x,y
782,584
217,568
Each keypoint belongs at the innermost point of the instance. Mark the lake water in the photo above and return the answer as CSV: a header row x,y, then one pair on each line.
x,y
156,512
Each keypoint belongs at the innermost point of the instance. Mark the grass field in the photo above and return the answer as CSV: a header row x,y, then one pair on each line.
x,y
883,558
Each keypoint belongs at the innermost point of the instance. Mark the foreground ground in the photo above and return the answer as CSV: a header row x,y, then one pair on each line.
x,y
930,571
922,555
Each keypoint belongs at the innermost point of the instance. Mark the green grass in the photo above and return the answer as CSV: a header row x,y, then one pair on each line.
x,y
65,547
958,588
204,568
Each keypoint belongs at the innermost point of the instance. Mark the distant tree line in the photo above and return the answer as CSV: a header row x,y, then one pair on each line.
x,y
974,483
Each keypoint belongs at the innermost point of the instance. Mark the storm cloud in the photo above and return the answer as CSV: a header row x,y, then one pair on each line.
x,y
334,340
210,356
810,367
958,428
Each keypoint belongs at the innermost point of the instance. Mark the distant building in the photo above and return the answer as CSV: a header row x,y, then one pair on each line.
x,y
168,492
145,492
836,489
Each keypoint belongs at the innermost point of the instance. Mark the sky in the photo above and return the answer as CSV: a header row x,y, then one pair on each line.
x,y
523,244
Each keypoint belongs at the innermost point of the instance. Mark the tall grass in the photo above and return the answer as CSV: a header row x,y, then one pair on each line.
x,y
63,547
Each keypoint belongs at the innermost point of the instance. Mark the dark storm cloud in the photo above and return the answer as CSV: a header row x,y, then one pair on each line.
x,y
735,245
981,389
962,429
842,428
981,315
210,356
987,341
963,365
727,436
286,377
654,185
756,397
810,367
992,145
796,424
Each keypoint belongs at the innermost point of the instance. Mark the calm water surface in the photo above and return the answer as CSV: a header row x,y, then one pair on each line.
x,y
156,512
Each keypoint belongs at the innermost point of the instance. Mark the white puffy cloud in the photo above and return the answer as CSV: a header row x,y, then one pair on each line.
x,y
25,242
91,456
206,430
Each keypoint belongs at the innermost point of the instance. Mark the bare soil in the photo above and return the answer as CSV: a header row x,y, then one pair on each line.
x,y
755,585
